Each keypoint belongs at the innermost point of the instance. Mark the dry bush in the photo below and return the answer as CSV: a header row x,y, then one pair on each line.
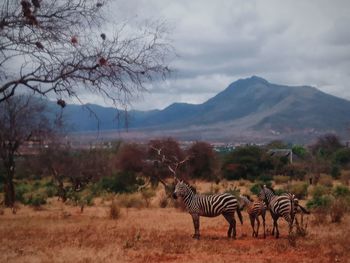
x,y
131,200
214,189
299,189
320,216
281,179
345,178
163,201
147,194
107,197
114,210
326,180
338,210
242,182
301,230
65,215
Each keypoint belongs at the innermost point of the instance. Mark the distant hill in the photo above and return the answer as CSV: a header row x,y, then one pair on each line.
x,y
248,109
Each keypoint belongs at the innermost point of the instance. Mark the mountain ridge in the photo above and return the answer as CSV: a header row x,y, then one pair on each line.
x,y
247,107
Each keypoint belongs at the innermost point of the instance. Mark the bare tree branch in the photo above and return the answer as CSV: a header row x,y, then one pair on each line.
x,y
57,47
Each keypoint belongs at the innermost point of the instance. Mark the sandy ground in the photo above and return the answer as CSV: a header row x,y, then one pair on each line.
x,y
62,234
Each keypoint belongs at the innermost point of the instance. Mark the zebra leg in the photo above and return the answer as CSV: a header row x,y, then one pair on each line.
x,y
258,223
296,220
275,226
195,218
277,231
234,226
232,222
252,222
263,218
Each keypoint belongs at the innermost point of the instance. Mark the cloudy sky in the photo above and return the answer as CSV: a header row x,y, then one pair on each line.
x,y
290,42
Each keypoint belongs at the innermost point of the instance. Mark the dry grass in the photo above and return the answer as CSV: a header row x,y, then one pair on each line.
x,y
60,233
155,235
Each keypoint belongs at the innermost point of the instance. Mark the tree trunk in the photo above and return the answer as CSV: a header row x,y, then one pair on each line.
x,y
9,187
9,190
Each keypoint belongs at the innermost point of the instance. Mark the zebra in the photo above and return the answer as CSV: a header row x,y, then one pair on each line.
x,y
254,210
285,205
209,206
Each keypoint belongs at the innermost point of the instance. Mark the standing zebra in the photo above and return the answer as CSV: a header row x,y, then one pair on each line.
x,y
208,206
279,206
254,210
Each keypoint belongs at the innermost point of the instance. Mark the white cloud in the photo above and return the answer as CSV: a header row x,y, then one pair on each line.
x,y
287,42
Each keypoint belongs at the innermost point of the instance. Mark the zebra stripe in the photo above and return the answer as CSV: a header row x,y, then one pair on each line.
x,y
209,206
279,206
254,210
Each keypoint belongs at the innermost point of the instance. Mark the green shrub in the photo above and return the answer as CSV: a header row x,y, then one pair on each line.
x,y
35,199
38,200
122,182
21,190
319,190
281,179
334,202
51,191
341,191
335,171
81,199
342,157
320,202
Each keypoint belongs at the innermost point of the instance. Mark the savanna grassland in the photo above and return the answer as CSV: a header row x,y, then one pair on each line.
x,y
59,232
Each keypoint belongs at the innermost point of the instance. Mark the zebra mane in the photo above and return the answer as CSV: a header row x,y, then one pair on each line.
x,y
194,190
270,188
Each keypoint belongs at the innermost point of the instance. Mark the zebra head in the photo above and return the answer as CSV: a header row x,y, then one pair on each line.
x,y
263,195
266,193
182,189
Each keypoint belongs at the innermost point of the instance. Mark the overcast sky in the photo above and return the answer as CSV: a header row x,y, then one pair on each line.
x,y
292,42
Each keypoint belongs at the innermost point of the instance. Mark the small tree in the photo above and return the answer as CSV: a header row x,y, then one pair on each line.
x,y
202,162
162,152
131,158
248,162
22,119
326,146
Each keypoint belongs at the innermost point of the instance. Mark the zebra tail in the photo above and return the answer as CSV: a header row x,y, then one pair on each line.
x,y
303,209
239,214
292,212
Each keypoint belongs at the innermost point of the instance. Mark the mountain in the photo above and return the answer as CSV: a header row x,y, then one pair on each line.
x,y
248,109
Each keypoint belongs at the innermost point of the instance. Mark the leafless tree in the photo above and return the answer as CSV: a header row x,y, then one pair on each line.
x,y
60,47
22,119
168,161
